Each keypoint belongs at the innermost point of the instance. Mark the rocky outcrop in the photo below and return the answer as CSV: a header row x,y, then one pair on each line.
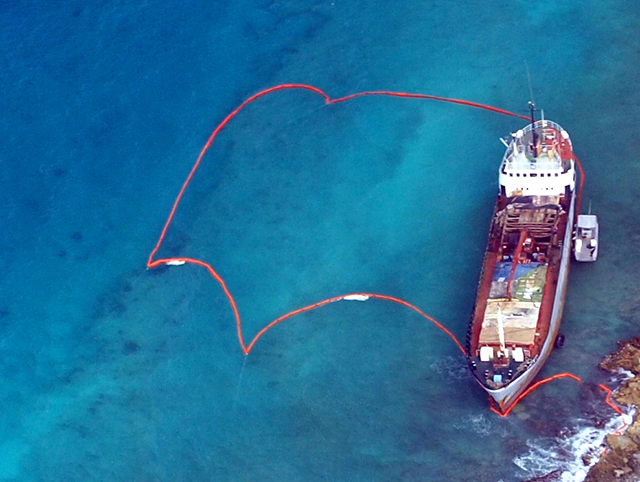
x,y
621,460
626,357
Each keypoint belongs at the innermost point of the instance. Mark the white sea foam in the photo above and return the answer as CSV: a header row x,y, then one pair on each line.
x,y
452,368
623,375
481,424
572,455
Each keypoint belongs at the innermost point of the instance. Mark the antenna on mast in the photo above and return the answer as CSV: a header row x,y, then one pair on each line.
x,y
532,108
532,101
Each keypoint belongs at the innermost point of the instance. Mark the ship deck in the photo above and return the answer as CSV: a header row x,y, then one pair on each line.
x,y
516,294
522,285
520,313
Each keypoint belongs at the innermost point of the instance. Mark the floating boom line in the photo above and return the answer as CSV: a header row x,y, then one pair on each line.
x,y
246,349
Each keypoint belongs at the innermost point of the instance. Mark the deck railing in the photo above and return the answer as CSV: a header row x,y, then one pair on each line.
x,y
517,147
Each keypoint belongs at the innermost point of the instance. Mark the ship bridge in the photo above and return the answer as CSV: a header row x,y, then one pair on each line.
x,y
538,161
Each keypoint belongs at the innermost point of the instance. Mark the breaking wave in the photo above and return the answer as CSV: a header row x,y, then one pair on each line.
x,y
482,424
573,454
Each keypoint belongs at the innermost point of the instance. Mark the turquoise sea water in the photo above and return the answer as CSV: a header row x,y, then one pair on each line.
x,y
113,372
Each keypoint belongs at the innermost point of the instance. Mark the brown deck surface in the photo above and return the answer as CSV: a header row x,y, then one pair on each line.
x,y
519,320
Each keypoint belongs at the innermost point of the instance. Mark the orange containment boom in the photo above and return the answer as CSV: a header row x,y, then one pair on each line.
x,y
246,349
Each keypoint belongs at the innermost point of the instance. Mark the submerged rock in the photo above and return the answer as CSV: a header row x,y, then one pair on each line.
x,y
554,476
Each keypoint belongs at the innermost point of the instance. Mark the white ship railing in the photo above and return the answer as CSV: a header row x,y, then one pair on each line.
x,y
514,156
542,123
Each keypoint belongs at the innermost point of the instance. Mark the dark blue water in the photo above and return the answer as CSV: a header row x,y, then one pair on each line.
x,y
113,372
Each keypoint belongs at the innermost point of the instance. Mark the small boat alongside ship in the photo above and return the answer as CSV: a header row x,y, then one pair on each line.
x,y
585,241
523,282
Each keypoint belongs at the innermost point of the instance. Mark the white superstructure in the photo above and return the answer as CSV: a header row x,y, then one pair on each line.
x,y
534,164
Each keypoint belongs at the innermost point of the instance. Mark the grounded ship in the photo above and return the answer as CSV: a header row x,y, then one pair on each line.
x,y
523,282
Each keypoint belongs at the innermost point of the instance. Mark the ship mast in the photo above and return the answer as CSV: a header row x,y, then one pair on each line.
x,y
501,330
534,142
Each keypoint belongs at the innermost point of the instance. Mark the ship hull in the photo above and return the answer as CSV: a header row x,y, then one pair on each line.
x,y
524,277
507,396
